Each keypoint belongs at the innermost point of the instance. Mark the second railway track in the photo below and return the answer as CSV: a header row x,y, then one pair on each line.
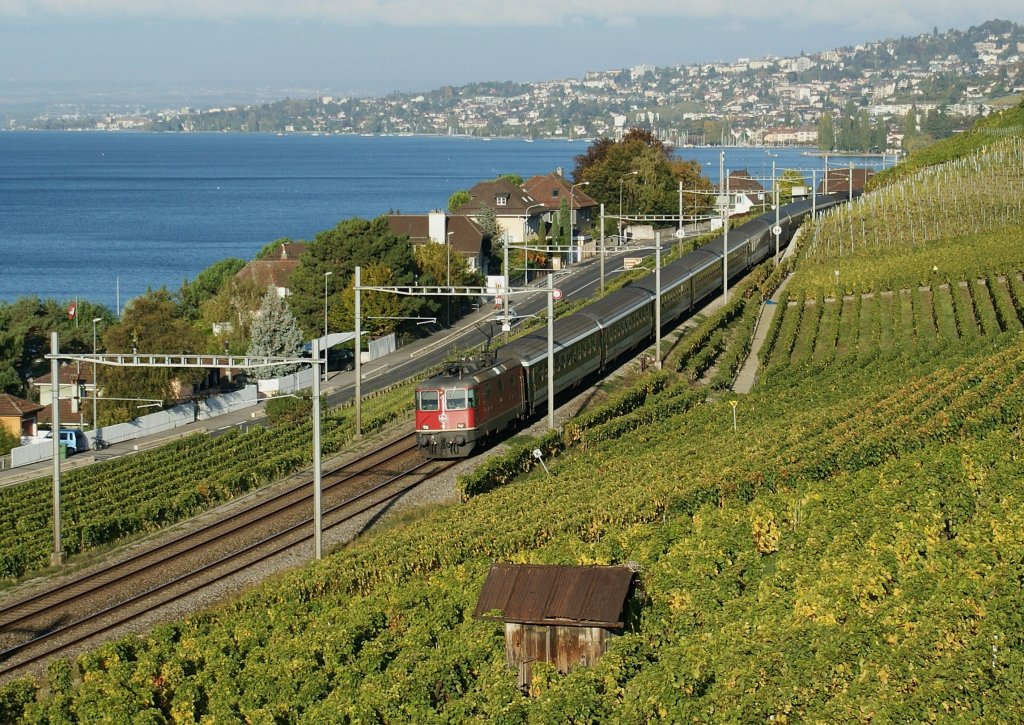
x,y
44,624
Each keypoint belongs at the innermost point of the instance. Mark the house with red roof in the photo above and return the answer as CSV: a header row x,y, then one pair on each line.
x,y
842,180
518,214
465,235
19,416
745,193
274,272
75,387
551,189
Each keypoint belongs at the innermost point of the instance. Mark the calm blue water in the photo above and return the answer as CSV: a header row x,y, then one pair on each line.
x,y
81,213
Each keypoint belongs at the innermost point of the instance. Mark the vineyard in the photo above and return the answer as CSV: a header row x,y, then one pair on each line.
x,y
111,501
853,551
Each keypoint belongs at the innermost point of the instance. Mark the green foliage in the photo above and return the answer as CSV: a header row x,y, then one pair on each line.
x,y
514,179
275,333
826,132
458,199
8,440
901,234
287,411
853,551
1009,122
25,327
114,500
206,285
352,243
14,698
151,323
269,250
608,166
786,181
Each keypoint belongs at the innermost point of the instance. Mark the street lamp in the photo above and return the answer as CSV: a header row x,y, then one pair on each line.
x,y
326,275
631,173
572,191
526,227
94,385
448,299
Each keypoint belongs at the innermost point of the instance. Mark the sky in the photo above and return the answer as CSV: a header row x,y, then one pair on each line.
x,y
140,49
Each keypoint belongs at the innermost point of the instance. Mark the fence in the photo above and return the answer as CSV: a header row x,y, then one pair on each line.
x,y
158,422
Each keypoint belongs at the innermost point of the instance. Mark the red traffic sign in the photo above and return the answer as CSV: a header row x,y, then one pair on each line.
x,y
556,294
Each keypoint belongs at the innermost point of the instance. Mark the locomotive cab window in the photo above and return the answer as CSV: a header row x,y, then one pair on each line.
x,y
458,398
428,400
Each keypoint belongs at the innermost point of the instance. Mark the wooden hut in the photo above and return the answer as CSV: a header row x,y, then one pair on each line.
x,y
565,615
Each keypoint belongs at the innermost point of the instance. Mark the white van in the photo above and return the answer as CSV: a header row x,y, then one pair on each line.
x,y
73,440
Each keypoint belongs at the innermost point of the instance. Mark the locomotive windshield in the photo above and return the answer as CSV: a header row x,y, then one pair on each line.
x,y
459,399
428,400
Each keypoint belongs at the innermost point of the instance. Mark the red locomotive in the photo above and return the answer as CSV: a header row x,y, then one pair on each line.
x,y
467,401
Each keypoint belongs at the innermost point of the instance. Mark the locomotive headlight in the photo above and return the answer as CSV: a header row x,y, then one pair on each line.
x,y
425,426
462,425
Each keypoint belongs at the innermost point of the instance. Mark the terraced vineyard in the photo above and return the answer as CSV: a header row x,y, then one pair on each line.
x,y
853,551
821,330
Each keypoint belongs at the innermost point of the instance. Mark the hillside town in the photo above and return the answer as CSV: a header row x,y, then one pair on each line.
x,y
941,81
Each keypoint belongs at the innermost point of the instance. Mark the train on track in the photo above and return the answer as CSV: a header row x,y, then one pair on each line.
x,y
477,397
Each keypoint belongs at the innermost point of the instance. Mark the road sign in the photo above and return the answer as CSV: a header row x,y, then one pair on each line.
x,y
556,294
680,233
776,230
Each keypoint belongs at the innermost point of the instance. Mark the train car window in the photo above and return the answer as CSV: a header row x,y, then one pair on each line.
x,y
455,399
471,398
429,400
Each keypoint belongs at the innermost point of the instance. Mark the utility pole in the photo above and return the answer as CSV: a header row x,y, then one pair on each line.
x,y
318,538
601,255
657,298
551,351
359,357
57,555
725,241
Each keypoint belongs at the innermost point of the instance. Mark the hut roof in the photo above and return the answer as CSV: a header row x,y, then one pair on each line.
x,y
586,596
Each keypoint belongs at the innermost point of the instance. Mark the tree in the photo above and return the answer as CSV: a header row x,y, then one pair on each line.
x,y
514,179
7,440
25,327
150,324
207,284
236,304
786,182
354,242
560,230
654,189
596,153
457,199
433,262
487,218
826,133
269,249
379,310
275,333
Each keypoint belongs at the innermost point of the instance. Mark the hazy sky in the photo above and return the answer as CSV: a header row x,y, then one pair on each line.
x,y
376,46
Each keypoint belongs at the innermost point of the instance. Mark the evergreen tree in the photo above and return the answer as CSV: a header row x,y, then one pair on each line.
x,y
826,133
275,333
561,231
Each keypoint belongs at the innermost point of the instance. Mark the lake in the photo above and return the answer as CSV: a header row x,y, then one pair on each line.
x,y
104,216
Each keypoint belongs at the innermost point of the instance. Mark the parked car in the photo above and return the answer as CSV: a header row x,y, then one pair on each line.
x,y
343,359
74,441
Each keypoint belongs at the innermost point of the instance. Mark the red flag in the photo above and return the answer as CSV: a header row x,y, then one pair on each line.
x,y
72,310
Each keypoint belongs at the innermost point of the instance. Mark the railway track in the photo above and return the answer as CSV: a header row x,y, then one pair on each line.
x,y
52,621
